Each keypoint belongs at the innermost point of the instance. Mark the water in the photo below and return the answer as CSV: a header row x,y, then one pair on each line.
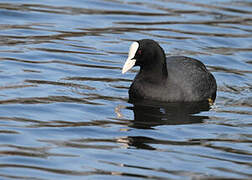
x,y
63,100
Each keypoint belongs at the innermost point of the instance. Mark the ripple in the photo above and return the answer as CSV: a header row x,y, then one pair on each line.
x,y
60,84
46,100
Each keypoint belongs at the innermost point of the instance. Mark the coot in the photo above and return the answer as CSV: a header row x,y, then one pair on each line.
x,y
172,79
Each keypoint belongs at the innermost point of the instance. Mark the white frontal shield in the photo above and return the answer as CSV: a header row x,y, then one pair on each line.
x,y
130,62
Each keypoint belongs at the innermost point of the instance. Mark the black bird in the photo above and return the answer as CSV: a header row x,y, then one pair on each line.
x,y
171,79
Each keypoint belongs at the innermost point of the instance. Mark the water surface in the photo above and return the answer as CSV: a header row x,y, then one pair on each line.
x,y
64,111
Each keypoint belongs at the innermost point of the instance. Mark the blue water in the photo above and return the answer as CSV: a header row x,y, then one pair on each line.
x,y
64,111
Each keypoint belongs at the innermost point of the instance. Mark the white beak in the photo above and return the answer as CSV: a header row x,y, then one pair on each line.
x,y
130,62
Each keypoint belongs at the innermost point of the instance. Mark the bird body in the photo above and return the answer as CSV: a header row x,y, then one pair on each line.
x,y
171,79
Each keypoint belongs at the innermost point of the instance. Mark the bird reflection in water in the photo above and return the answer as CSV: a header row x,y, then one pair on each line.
x,y
148,115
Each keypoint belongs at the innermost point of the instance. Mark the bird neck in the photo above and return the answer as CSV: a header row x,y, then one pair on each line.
x,y
155,73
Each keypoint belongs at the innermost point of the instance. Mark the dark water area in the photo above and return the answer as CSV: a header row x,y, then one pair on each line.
x,y
64,111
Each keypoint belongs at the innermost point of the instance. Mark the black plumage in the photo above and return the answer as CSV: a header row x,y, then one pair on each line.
x,y
172,79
